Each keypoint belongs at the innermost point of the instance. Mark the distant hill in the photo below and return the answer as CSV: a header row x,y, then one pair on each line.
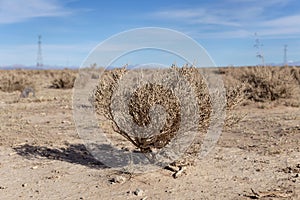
x,y
31,67
297,63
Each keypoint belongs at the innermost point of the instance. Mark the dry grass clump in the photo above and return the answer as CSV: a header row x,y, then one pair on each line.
x,y
64,80
15,80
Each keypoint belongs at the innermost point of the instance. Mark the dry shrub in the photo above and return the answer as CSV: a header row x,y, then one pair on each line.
x,y
199,86
107,85
65,80
295,71
204,101
147,96
234,88
140,104
15,80
235,95
102,101
266,83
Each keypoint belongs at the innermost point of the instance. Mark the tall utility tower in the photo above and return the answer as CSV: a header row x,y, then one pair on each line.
x,y
39,59
285,55
259,53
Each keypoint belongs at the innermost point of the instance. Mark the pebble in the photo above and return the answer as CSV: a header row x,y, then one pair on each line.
x,y
34,167
13,153
179,172
118,179
138,192
24,185
66,122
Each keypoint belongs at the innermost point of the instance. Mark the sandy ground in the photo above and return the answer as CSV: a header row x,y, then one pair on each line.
x,y
42,157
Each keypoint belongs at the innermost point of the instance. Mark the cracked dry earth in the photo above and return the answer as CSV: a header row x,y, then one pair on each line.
x,y
42,157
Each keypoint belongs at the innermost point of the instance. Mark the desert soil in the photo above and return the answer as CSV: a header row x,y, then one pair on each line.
x,y
42,156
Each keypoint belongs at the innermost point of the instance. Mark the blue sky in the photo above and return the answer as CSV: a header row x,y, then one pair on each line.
x,y
70,29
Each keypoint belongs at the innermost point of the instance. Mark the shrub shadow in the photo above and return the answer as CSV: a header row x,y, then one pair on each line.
x,y
74,153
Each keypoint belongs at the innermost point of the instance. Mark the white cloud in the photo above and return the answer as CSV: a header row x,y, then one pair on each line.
x,y
231,13
196,16
286,21
287,26
259,2
240,33
235,19
12,11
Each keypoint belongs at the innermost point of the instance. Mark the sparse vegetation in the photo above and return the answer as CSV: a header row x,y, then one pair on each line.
x,y
267,83
16,80
295,71
65,80
39,145
263,84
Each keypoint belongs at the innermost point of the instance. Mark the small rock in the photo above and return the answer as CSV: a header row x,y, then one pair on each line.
x,y
172,168
13,153
118,179
179,172
24,185
34,167
138,192
2,187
